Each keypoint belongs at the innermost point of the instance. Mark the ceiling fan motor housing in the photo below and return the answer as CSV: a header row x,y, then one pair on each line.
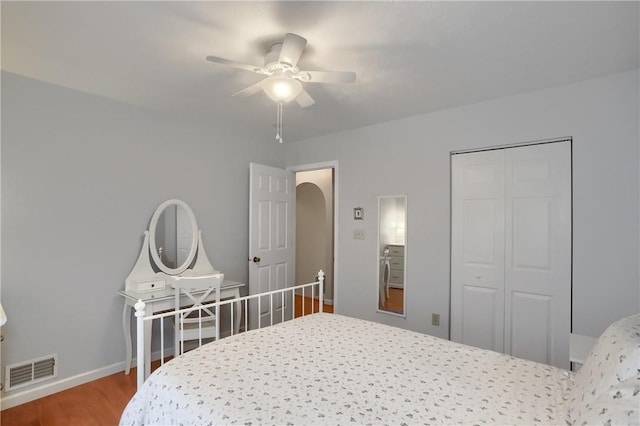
x,y
273,65
273,56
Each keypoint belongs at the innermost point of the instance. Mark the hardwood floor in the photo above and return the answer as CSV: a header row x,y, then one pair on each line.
x,y
395,301
97,403
307,306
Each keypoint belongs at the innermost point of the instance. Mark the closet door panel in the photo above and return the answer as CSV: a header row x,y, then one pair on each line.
x,y
477,258
479,218
531,337
538,252
478,322
531,233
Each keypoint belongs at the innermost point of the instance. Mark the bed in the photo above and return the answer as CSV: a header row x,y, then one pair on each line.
x,y
331,369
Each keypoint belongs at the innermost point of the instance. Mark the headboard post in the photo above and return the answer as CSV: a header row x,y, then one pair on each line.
x,y
321,290
140,353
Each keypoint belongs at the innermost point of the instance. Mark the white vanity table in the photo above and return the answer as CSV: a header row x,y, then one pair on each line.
x,y
172,247
396,264
163,300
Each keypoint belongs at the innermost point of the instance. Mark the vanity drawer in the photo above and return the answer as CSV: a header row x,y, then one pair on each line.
x,y
396,250
397,263
396,276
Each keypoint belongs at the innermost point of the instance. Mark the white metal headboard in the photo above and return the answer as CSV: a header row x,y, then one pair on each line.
x,y
244,303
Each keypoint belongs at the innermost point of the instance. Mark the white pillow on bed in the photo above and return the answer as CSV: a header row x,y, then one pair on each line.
x,y
611,369
617,406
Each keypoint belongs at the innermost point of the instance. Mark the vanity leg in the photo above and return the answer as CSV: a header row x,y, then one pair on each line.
x,y
126,328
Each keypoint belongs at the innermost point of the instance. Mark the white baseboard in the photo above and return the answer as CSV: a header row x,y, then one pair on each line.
x,y
13,399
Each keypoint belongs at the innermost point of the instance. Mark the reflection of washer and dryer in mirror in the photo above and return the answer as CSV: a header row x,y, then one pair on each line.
x,y
391,241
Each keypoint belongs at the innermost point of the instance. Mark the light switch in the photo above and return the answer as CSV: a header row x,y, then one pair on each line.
x,y
358,234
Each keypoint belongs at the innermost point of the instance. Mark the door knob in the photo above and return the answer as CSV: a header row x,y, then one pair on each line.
x,y
256,259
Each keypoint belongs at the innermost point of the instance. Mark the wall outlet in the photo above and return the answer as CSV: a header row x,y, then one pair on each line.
x,y
358,234
435,319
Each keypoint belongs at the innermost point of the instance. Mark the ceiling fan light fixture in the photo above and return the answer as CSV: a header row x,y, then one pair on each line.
x,y
284,82
281,88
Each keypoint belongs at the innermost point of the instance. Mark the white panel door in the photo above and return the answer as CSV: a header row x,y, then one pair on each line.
x,y
271,241
477,256
511,251
538,252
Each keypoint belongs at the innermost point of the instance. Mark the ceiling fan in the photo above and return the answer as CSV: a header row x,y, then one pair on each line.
x,y
283,83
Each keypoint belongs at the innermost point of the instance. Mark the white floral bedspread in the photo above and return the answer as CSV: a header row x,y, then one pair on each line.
x,y
331,369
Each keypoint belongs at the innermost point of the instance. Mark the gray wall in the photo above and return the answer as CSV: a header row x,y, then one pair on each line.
x,y
81,177
412,156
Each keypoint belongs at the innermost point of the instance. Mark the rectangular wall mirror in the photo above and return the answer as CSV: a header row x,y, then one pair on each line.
x,y
392,254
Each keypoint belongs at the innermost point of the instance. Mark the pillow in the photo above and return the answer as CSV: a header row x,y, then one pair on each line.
x,y
620,405
614,359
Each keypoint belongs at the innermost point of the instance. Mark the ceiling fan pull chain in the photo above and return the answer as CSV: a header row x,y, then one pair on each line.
x,y
279,123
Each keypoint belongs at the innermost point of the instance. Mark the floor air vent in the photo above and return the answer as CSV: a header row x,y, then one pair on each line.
x,y
30,372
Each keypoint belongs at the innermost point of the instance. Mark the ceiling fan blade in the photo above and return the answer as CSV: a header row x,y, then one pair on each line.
x,y
304,99
251,90
239,65
346,77
292,48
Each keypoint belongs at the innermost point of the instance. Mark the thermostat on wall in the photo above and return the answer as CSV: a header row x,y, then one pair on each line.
x,y
358,213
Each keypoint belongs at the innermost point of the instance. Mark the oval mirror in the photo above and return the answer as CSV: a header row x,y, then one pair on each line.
x,y
173,237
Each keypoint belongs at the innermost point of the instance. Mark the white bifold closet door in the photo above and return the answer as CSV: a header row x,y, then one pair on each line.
x,y
511,251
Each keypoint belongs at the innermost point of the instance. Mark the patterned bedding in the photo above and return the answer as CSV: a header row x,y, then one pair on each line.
x,y
332,369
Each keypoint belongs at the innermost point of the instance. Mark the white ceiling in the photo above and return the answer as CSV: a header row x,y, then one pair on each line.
x,y
410,57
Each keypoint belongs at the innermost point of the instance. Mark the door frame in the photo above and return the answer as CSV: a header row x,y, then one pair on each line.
x,y
318,166
515,145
